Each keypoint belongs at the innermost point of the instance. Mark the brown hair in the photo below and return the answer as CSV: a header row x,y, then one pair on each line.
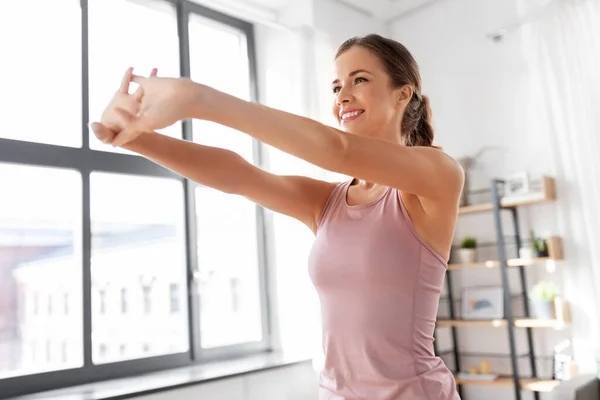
x,y
402,69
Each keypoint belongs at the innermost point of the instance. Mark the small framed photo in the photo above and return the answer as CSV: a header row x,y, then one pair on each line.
x,y
485,302
517,184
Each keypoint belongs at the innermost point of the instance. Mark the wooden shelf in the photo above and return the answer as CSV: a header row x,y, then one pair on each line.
x,y
545,195
532,384
555,253
495,323
513,262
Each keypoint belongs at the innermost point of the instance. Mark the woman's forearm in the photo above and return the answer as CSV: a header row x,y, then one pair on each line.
x,y
210,166
299,136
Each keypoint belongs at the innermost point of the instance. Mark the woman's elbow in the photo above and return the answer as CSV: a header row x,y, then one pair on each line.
x,y
336,155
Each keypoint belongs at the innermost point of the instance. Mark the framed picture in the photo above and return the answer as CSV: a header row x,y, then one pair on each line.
x,y
517,184
483,302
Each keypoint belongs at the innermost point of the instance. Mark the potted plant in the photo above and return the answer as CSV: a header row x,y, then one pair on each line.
x,y
539,246
468,250
542,298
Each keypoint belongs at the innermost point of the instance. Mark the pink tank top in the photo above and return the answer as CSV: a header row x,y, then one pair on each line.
x,y
379,285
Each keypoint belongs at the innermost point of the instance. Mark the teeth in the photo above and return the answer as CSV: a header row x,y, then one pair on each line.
x,y
350,114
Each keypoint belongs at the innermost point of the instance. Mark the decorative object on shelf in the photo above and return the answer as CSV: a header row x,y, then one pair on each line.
x,y
542,298
526,253
483,302
485,367
539,246
545,191
517,184
468,250
561,363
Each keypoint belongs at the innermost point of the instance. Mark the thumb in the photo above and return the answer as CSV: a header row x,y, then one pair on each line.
x,y
103,134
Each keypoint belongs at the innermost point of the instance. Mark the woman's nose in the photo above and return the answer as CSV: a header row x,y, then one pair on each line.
x,y
344,96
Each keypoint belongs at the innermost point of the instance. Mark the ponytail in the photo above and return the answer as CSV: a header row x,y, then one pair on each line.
x,y
417,129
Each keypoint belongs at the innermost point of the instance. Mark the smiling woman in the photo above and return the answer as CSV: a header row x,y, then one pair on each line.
x,y
387,63
382,238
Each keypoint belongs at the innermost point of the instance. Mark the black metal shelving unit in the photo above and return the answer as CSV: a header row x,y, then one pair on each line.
x,y
497,209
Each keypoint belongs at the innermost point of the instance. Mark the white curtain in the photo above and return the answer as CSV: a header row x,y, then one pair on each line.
x,y
563,45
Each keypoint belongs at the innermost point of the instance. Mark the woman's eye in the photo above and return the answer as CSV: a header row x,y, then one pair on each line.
x,y
357,80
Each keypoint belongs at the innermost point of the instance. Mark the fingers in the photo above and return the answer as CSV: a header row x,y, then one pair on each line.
x,y
128,121
139,93
103,134
131,124
124,88
139,79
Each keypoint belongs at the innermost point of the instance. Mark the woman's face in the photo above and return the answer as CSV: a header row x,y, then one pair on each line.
x,y
364,102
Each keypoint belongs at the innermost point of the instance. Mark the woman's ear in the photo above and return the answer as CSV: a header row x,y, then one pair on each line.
x,y
404,94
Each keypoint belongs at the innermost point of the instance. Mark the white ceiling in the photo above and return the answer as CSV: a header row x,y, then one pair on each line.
x,y
270,4
385,10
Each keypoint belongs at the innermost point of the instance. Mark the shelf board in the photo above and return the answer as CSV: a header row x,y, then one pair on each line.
x,y
545,195
532,384
513,262
518,322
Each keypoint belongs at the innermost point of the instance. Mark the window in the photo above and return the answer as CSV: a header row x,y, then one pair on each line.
x,y
138,239
64,352
50,310
40,255
29,40
147,291
124,305
102,301
66,298
49,351
113,26
227,226
97,249
36,303
174,298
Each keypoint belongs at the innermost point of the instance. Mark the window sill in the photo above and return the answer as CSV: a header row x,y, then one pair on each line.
x,y
145,384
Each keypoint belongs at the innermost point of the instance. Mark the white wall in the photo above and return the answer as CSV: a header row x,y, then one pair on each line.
x,y
483,94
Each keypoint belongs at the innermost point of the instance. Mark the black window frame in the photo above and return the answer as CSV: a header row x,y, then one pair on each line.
x,y
86,161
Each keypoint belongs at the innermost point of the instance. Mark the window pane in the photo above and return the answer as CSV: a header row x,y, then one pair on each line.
x,y
41,71
138,254
230,310
40,270
227,230
126,33
219,58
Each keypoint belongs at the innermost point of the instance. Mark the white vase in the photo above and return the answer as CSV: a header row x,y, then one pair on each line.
x,y
543,309
526,253
467,256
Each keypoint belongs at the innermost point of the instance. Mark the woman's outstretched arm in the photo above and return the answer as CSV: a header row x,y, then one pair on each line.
x,y
423,171
426,172
296,196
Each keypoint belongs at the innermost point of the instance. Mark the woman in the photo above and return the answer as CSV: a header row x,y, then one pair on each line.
x,y
382,238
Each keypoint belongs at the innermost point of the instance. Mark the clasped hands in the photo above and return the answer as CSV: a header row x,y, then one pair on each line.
x,y
158,102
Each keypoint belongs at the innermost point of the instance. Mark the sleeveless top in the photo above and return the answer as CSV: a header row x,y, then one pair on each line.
x,y
379,285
